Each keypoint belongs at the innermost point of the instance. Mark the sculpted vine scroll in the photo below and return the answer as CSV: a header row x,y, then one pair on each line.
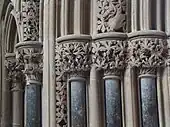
x,y
30,20
111,16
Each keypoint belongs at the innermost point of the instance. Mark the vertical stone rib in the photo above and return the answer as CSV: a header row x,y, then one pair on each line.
x,y
77,16
93,24
95,116
51,55
166,95
147,14
167,15
141,14
130,93
159,14
160,99
64,17
134,15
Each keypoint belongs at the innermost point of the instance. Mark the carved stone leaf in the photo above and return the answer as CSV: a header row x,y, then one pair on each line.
x,y
147,52
109,54
72,56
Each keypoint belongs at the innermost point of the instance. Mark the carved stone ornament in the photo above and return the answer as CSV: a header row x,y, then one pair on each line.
x,y
73,55
111,16
14,69
147,71
149,49
30,20
110,53
30,54
61,103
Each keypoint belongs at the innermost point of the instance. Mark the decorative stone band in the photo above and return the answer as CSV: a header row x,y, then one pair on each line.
x,y
73,54
30,20
14,70
147,49
109,52
30,54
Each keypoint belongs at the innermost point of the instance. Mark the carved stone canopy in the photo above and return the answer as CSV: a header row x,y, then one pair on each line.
x,y
30,54
147,49
73,53
109,51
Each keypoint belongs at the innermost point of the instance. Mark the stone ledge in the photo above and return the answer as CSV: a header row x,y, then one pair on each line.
x,y
147,33
29,44
74,37
110,35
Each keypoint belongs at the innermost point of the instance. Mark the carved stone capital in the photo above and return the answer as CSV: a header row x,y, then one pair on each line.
x,y
73,53
111,16
109,51
15,75
30,54
147,72
147,49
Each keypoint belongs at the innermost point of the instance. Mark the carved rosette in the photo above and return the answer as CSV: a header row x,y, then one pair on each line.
x,y
30,54
14,69
109,52
30,20
111,16
147,50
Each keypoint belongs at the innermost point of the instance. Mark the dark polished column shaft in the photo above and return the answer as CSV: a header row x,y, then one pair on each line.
x,y
33,104
148,100
113,101
78,102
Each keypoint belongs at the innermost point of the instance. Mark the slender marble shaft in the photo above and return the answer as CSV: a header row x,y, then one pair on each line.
x,y
33,105
148,99
78,103
113,103
17,106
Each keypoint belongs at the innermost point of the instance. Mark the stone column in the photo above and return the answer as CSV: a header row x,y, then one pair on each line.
x,y
77,98
113,104
147,52
72,53
167,69
109,54
29,53
16,80
6,109
148,97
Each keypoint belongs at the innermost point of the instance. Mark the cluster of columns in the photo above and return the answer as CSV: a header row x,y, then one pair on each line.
x,y
24,69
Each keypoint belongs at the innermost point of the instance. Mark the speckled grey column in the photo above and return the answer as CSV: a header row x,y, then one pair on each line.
x,y
113,101
33,104
148,100
77,101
